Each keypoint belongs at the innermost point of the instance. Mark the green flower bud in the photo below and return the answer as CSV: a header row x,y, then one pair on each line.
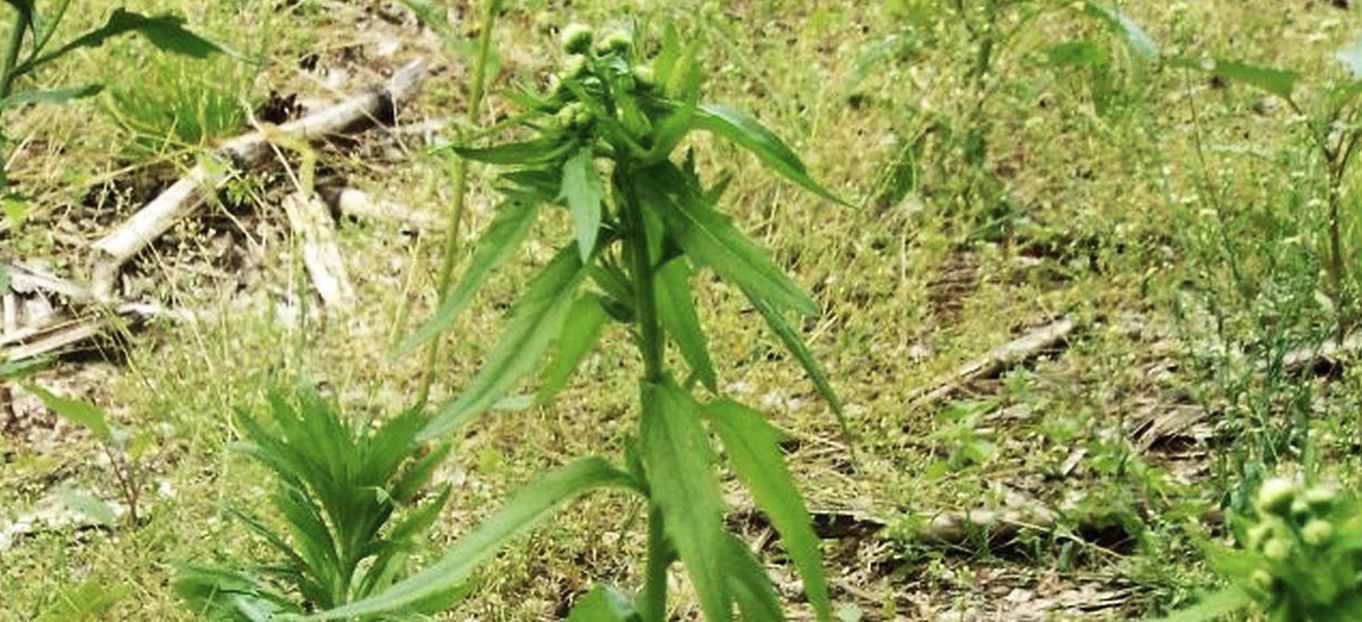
x,y
577,38
1300,510
575,66
644,77
1263,580
1321,499
1275,495
1277,549
1258,534
616,42
1317,532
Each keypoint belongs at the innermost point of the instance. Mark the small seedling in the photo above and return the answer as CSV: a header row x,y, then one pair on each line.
x,y
601,146
351,500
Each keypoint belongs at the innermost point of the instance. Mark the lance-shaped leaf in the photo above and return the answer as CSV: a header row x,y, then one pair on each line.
x,y
536,320
580,332
710,239
676,310
530,506
750,134
749,585
582,191
794,343
84,414
603,604
536,151
678,460
1279,82
501,240
16,369
166,32
753,448
1139,41
50,96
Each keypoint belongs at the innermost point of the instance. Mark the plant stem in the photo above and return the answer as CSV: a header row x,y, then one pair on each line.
x,y
460,175
650,344
22,17
653,607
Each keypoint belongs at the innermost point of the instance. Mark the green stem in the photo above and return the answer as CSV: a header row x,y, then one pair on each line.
x,y
16,43
460,175
650,344
653,606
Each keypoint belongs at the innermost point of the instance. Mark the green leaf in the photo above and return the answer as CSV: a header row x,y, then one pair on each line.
x,y
892,46
530,506
753,448
535,151
750,134
710,239
751,588
580,332
1139,41
18,369
1213,607
603,604
50,96
166,32
794,343
81,413
1076,53
14,208
676,310
501,240
1279,82
679,462
583,193
1351,57
536,320
91,507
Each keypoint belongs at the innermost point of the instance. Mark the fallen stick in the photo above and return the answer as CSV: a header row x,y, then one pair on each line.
x,y
311,222
359,204
64,334
185,195
997,360
27,280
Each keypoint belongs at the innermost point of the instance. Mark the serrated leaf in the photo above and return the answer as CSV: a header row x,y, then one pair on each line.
x,y
753,448
93,508
536,320
527,508
537,151
84,414
679,462
580,332
603,604
710,239
498,243
51,96
1139,41
750,134
676,310
747,582
582,190
1351,57
1280,82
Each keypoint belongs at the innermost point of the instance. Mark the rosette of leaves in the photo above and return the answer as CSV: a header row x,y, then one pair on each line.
x,y
601,144
1299,559
350,502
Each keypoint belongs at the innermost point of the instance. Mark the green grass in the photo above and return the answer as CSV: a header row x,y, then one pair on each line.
x,y
1111,226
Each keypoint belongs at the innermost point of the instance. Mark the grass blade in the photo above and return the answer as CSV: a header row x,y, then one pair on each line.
x,y
677,457
51,96
710,239
580,332
501,240
526,509
753,448
536,321
676,310
750,134
584,196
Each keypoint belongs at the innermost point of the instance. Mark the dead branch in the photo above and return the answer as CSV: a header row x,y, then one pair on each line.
x,y
311,222
359,204
182,198
997,360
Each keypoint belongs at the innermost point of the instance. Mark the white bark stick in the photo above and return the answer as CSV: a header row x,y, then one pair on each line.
x,y
311,222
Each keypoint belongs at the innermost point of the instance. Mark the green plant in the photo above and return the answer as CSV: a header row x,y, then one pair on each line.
x,y
350,497
180,103
639,235
1299,557
123,449
30,47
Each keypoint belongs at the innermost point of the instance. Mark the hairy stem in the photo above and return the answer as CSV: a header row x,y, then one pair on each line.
x,y
653,606
460,176
650,344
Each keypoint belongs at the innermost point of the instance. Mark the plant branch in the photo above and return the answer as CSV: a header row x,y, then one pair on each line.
x,y
22,18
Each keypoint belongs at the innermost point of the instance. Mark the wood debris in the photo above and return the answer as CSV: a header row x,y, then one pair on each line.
x,y
997,360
